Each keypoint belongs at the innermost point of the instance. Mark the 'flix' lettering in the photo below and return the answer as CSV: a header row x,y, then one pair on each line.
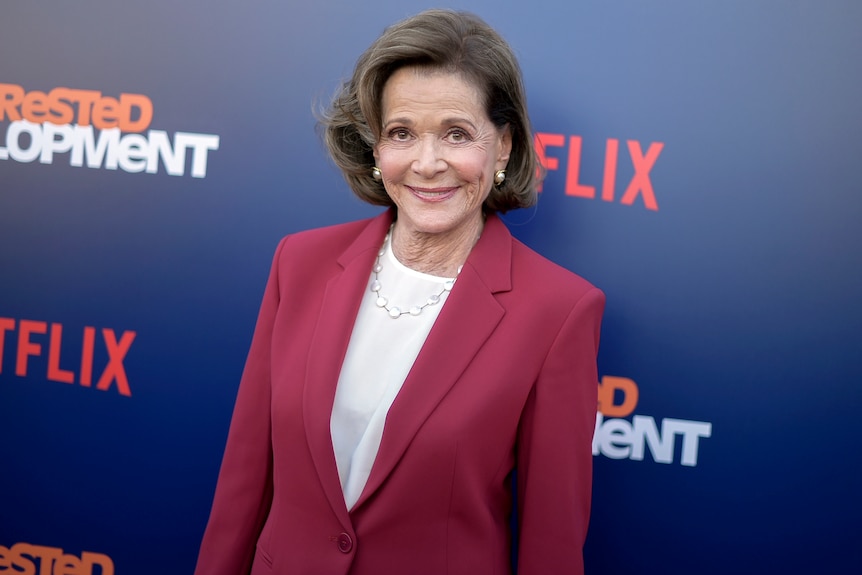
x,y
639,186
31,342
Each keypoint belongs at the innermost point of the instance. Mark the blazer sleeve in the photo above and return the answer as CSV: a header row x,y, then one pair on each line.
x,y
243,494
554,451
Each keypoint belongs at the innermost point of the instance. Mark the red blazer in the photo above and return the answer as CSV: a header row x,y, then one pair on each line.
x,y
506,378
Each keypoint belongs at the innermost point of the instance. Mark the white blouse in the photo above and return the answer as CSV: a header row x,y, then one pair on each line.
x,y
381,352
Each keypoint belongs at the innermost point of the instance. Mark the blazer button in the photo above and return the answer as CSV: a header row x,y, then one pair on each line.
x,y
345,543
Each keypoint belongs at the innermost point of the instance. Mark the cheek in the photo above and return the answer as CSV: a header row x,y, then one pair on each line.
x,y
390,161
478,168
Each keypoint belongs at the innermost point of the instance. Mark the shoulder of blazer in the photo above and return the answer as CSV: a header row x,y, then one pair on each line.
x,y
505,264
337,243
537,273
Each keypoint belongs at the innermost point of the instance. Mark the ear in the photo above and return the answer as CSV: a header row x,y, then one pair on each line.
x,y
505,147
376,154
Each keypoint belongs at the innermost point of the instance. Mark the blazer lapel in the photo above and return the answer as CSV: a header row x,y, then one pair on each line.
x,y
468,318
329,342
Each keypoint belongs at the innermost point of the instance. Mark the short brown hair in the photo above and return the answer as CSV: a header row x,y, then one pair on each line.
x,y
451,41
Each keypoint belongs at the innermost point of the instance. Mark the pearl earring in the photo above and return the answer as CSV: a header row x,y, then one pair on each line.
x,y
376,173
499,177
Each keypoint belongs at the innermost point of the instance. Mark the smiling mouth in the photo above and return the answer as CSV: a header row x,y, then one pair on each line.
x,y
432,194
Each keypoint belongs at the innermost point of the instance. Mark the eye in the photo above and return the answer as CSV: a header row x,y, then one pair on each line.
x,y
399,134
457,136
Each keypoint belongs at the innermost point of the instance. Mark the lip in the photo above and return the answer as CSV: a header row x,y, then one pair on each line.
x,y
433,194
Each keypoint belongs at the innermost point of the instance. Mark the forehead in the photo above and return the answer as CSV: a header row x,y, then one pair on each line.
x,y
417,89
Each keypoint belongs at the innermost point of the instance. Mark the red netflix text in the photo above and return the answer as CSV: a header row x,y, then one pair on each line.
x,y
640,185
35,338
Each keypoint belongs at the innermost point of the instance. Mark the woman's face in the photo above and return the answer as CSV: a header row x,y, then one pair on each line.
x,y
438,150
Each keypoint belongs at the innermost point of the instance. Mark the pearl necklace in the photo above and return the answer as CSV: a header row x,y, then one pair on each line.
x,y
383,301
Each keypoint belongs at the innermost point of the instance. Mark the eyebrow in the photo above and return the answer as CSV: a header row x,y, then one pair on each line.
x,y
396,121
446,122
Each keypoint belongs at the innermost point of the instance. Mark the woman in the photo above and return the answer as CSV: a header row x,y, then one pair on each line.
x,y
403,368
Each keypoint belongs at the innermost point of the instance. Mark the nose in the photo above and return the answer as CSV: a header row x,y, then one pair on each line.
x,y
429,159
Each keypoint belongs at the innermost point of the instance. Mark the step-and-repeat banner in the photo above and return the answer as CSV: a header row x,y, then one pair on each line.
x,y
703,170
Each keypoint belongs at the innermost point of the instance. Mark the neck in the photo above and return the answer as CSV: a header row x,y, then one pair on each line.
x,y
436,254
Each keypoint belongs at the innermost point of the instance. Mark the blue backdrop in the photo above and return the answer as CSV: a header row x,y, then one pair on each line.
x,y
703,171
